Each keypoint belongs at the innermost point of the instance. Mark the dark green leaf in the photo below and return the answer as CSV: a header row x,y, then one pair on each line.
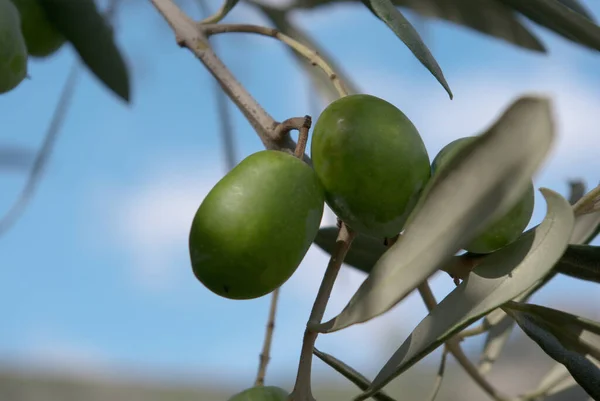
x,y
87,30
489,17
388,13
350,374
553,342
502,276
561,19
15,158
576,6
363,254
454,206
581,261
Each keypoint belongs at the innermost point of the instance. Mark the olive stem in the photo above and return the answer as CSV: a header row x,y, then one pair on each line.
x,y
265,355
311,55
189,34
455,349
302,388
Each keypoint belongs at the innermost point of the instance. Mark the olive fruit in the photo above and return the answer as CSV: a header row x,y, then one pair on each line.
x,y
502,231
261,393
13,51
256,224
41,36
372,163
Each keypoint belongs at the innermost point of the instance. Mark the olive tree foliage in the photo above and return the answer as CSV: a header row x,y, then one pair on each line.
x,y
492,289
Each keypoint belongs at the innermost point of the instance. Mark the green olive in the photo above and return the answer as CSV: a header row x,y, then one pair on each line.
x,y
256,224
41,36
371,161
260,393
503,230
13,51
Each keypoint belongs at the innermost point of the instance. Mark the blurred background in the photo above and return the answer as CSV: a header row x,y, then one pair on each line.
x,y
97,297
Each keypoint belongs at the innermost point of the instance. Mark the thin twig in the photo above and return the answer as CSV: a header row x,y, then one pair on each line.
x,y
311,55
265,355
302,388
44,153
440,375
227,133
455,349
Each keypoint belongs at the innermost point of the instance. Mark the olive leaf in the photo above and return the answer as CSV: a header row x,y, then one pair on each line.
x,y
582,262
565,338
488,17
226,7
556,380
585,229
393,18
350,374
455,206
362,255
320,81
560,18
86,29
499,278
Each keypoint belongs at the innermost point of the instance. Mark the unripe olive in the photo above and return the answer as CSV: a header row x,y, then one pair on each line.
x,y
41,36
503,230
13,51
261,393
256,224
371,161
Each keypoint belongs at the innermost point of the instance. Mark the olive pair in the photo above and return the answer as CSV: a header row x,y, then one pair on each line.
x,y
370,166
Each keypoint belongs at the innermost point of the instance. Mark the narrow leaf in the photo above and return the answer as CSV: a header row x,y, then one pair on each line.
x,y
502,276
584,371
495,340
582,262
221,13
349,373
455,206
488,17
576,6
363,254
320,81
92,37
556,380
576,191
561,19
393,18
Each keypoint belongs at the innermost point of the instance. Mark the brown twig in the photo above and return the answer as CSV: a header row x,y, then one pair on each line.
x,y
265,355
455,349
302,388
311,55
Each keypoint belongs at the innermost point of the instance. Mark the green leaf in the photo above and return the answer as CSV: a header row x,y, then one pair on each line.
x,y
488,17
349,373
362,255
561,19
558,343
388,13
221,13
455,206
582,262
576,6
499,278
320,81
81,23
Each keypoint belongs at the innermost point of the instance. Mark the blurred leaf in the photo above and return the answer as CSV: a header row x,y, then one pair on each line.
x,y
495,340
582,262
561,19
388,13
440,376
576,6
15,158
362,255
349,373
501,277
455,205
576,191
589,203
488,17
560,335
221,13
92,37
321,82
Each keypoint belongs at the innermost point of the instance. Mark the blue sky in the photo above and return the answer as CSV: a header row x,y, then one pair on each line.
x,y
96,275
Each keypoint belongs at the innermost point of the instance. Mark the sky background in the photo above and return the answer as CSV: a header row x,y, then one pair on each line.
x,y
96,275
